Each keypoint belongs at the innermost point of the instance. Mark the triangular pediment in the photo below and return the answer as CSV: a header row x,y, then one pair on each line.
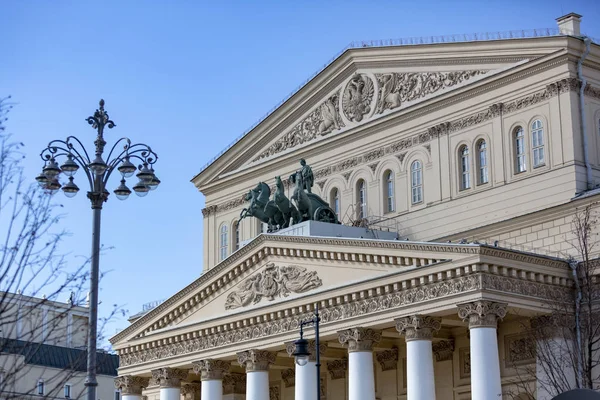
x,y
272,271
364,86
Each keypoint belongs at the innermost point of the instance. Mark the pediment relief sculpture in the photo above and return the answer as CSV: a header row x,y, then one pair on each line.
x,y
359,96
274,282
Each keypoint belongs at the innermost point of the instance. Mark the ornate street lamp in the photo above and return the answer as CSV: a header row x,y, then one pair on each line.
x,y
74,156
301,353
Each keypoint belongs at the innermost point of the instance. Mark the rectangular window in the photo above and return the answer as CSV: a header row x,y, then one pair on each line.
x,y
117,395
40,388
67,391
538,148
417,186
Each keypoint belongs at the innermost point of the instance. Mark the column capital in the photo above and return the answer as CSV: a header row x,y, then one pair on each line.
x,y
418,327
388,359
191,391
359,339
337,368
443,350
234,383
290,347
210,369
256,360
130,384
169,377
482,313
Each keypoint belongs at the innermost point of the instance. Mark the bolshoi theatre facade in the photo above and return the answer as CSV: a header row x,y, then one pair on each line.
x,y
429,218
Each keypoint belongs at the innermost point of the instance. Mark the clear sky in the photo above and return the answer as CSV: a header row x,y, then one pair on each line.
x,y
187,78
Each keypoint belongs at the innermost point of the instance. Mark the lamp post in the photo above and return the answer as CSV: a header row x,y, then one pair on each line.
x,y
301,353
97,171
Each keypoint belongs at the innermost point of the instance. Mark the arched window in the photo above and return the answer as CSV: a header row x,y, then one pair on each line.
x,y
416,181
482,162
520,157
465,177
389,191
334,201
361,191
236,232
223,243
537,143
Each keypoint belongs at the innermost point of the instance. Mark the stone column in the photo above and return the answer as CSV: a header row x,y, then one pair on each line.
x,y
306,376
234,386
418,331
131,386
211,374
361,376
169,380
257,364
191,391
483,319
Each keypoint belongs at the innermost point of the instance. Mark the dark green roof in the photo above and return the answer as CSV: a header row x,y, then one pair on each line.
x,y
59,357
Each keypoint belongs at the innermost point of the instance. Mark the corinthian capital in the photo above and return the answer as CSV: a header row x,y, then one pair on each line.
x,y
418,327
234,383
211,369
130,384
169,377
482,314
191,391
359,339
256,360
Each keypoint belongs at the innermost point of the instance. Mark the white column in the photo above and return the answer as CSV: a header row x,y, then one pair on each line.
x,y
211,374
361,377
305,386
418,331
131,386
169,380
257,372
483,319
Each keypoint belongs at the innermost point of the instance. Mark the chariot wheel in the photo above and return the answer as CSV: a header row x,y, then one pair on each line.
x,y
325,214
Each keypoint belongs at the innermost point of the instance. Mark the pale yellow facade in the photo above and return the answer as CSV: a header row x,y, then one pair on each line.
x,y
491,224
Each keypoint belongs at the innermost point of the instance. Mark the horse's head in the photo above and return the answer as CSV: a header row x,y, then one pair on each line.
x,y
248,196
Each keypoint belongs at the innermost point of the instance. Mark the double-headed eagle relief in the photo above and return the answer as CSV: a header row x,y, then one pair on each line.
x,y
280,211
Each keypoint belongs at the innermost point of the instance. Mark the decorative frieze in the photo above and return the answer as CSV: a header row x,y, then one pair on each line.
x,y
373,166
482,314
169,377
256,360
418,327
289,377
208,211
130,384
191,391
234,383
211,369
388,359
337,368
359,339
591,91
321,184
290,347
273,282
443,349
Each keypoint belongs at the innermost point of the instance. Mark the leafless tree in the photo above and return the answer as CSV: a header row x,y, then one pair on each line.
x,y
38,290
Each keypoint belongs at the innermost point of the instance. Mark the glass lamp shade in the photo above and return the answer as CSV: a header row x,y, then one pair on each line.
x,y
122,192
98,166
141,188
145,173
127,169
70,189
154,182
51,170
301,352
42,179
69,167
53,185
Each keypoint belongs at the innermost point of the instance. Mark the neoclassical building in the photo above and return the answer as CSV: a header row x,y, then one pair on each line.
x,y
455,169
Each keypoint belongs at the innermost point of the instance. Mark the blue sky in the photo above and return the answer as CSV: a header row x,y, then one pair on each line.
x,y
188,77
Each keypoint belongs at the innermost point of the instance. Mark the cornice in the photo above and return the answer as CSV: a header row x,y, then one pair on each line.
x,y
389,298
253,253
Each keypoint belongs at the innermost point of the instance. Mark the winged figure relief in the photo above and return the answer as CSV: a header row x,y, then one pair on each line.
x,y
356,101
389,94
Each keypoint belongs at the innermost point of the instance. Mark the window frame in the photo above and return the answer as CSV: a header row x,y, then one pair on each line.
x,y
483,169
334,201
361,198
389,191
223,242
236,232
67,391
520,152
418,187
536,147
42,386
464,167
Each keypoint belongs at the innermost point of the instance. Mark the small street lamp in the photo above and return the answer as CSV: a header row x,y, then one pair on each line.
x,y
97,171
301,353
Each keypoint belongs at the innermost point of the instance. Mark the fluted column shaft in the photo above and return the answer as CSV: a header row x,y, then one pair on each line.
x,y
169,380
483,319
361,377
257,364
418,331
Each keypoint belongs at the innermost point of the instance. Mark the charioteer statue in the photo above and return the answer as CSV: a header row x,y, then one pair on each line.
x,y
281,212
